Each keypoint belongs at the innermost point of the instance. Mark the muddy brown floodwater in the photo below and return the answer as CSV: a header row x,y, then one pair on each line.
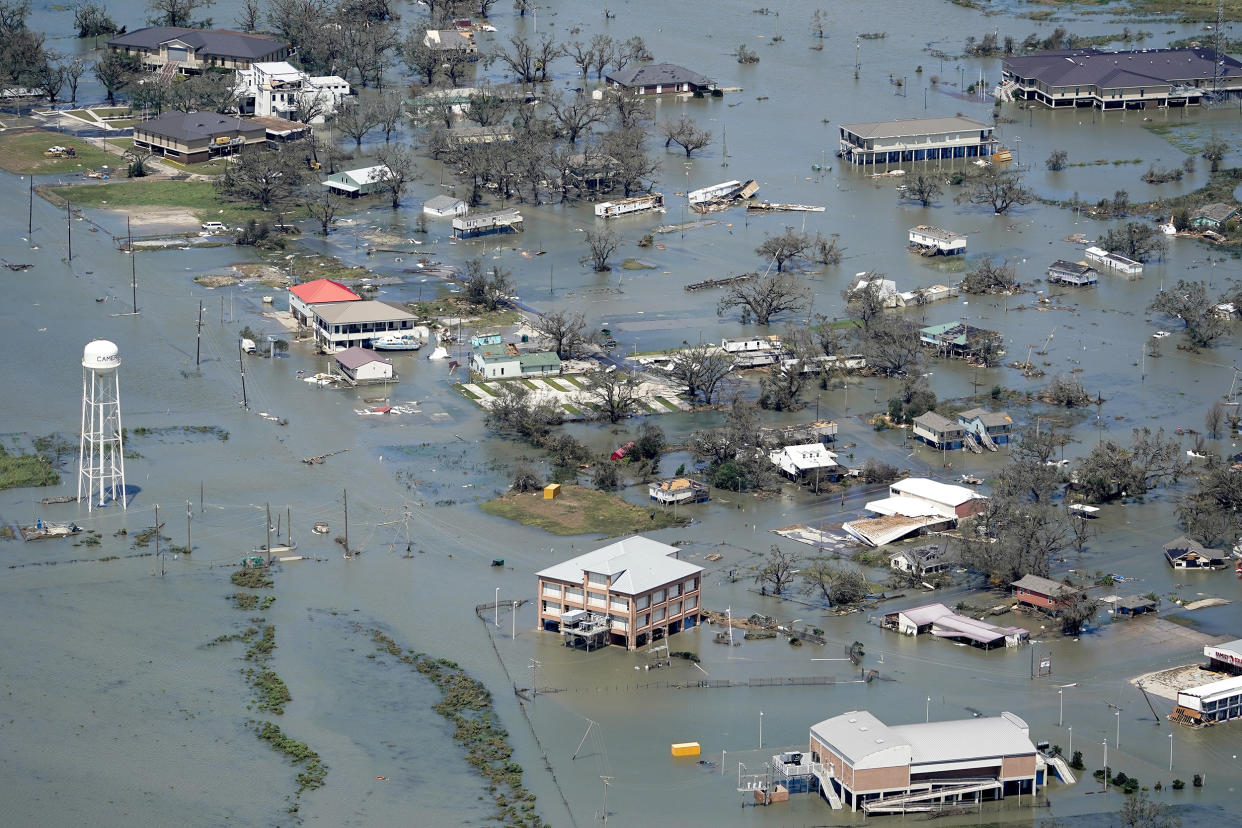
x,y
114,710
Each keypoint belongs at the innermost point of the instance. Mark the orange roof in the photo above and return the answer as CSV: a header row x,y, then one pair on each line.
x,y
323,290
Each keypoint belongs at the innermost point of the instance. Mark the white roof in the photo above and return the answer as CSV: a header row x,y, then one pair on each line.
x,y
442,202
866,742
803,457
1213,689
279,69
636,565
359,177
934,491
886,287
952,741
907,507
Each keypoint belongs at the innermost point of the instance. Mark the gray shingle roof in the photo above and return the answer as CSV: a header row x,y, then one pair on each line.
x,y
355,357
189,126
1095,67
658,74
205,42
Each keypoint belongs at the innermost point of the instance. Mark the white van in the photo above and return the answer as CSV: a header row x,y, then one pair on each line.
x,y
214,227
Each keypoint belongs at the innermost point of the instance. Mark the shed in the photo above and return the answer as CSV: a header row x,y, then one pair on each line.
x,y
363,366
1132,605
552,491
444,206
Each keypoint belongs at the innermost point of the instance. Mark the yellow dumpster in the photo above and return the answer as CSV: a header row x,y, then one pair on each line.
x,y
552,491
685,748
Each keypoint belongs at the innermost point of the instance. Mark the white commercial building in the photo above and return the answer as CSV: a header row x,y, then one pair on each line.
x,y
340,325
278,88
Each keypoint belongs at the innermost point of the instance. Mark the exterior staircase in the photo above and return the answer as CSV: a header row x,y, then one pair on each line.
x,y
972,444
169,71
824,774
987,440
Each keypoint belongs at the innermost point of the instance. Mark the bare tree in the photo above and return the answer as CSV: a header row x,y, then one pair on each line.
x,y
745,54
398,171
828,580
582,54
421,59
603,49
1214,420
323,204
890,344
998,188
777,571
600,245
248,15
701,368
389,110
781,249
1112,471
567,331
266,179
989,277
685,133
356,119
1057,160
924,189
74,70
633,169
827,251
613,395
631,110
575,114
522,6
115,71
178,12
529,62
765,296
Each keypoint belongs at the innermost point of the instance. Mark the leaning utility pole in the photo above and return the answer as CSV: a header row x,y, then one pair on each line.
x,y
198,343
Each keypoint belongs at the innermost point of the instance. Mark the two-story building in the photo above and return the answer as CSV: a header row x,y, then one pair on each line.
x,y
339,325
936,241
991,428
1044,593
1121,80
317,292
862,763
628,593
938,431
175,50
909,140
959,340
1076,274
278,89
507,362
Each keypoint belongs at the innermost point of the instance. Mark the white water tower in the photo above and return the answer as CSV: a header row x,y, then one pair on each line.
x,y
101,457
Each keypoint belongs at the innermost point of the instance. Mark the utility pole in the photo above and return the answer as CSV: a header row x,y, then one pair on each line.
x,y
157,539
267,526
30,214
187,528
133,273
242,365
198,338
346,502
69,228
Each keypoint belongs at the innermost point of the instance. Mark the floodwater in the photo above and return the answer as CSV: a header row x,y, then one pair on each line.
x,y
117,713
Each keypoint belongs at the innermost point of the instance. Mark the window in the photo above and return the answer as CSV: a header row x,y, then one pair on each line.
x,y
597,579
692,602
643,603
619,604
674,590
657,597
595,599
674,608
551,608
573,594
552,590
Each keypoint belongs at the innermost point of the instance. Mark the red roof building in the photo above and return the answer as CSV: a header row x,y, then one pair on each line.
x,y
319,291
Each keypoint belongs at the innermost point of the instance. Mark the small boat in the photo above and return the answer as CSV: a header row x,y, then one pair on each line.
x,y
397,342
1084,510
42,530
267,300
320,528
971,480
498,561
277,548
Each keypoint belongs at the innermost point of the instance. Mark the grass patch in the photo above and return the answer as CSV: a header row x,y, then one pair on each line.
x,y
576,382
487,389
637,264
667,403
21,470
572,409
252,578
467,393
23,153
580,511
556,385
197,197
648,407
530,384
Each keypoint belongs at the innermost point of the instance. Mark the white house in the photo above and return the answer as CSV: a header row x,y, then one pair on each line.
x,y
451,40
278,88
340,325
499,362
444,206
807,461
363,366
886,290
1114,261
359,182
936,240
